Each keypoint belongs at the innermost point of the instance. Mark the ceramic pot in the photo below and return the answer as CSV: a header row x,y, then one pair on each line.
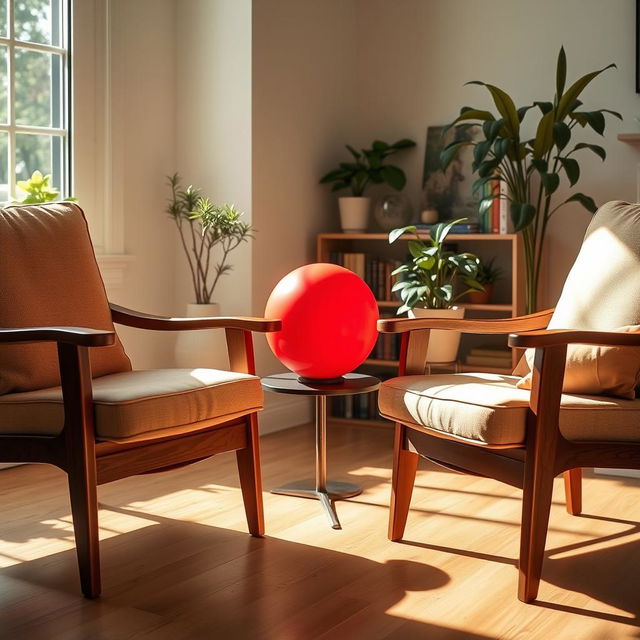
x,y
443,344
202,348
481,297
354,214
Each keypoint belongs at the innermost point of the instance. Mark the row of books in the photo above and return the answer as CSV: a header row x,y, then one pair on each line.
x,y
360,407
376,272
387,347
495,218
498,357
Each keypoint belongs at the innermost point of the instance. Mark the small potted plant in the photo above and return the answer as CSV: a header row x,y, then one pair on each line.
x,y
427,285
205,229
366,168
38,189
487,274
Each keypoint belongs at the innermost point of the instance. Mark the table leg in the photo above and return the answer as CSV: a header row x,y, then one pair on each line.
x,y
322,490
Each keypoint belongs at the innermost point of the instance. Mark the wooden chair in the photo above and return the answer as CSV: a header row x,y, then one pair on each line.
x,y
482,424
68,394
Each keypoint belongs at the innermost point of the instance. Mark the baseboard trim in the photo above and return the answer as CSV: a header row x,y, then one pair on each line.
x,y
283,412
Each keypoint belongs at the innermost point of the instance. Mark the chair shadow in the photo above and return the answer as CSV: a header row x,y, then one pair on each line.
x,y
606,575
199,578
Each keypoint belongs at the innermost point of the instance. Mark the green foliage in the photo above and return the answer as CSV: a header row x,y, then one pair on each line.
x,y
533,169
37,189
428,279
488,272
205,228
368,167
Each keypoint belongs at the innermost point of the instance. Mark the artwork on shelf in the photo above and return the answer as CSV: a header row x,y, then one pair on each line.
x,y
449,192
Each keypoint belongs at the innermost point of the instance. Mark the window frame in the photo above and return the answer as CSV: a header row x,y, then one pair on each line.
x,y
64,131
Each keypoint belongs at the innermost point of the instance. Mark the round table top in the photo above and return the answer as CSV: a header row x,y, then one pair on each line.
x,y
290,383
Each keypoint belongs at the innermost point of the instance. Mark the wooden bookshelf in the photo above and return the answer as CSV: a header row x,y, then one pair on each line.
x,y
508,293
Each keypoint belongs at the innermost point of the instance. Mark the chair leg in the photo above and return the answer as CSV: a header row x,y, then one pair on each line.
x,y
250,478
573,491
84,509
405,464
536,505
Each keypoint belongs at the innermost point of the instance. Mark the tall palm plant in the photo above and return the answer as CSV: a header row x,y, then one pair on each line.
x,y
533,167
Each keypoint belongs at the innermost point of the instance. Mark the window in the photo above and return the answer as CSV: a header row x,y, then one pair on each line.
x,y
34,92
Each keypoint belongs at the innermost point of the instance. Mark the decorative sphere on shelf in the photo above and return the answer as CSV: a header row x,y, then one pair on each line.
x,y
328,319
392,211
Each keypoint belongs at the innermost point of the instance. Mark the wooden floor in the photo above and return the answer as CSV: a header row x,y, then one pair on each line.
x,y
177,562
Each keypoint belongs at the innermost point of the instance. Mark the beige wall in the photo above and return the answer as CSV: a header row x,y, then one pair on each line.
x,y
415,55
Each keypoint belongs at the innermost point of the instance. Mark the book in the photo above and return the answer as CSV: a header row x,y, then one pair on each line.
x,y
506,226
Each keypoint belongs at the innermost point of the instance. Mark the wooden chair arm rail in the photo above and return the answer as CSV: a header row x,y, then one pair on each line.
x,y
131,318
555,337
503,325
80,336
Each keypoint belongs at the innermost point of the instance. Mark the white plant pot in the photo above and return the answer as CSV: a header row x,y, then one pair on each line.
x,y
354,214
443,344
202,348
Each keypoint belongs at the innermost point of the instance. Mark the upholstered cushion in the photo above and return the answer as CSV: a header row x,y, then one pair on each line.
x,y
49,276
490,409
597,370
134,403
602,290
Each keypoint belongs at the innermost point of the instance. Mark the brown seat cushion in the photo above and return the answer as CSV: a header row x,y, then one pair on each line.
x,y
49,277
136,403
490,409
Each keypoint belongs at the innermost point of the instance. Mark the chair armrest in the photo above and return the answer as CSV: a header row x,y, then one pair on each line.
x,y
131,318
80,336
504,325
555,337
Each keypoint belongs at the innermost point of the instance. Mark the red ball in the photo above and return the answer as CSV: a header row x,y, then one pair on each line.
x,y
328,319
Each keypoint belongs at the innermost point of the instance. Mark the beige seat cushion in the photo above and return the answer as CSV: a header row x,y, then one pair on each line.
x,y
490,409
135,403
49,277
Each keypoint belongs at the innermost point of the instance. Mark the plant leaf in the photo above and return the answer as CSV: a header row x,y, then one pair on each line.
x,y
396,233
561,134
550,181
584,200
393,176
450,152
522,215
566,101
504,104
561,73
544,135
597,149
572,169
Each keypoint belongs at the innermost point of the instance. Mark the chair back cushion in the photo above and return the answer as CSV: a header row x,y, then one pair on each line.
x,y
601,293
49,277
602,290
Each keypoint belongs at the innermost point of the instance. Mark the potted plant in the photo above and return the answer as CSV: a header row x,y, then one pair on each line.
x,y
532,167
427,285
205,230
367,167
37,190
487,274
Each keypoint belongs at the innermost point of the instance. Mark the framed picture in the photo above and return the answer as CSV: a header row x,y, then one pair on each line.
x,y
449,192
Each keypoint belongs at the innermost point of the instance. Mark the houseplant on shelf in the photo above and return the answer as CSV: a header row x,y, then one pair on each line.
x,y
427,285
532,167
366,168
205,229
487,274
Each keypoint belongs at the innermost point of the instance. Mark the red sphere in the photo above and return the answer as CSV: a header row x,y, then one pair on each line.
x,y
328,319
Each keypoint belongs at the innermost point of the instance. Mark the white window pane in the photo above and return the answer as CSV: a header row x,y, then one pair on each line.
x,y
4,166
4,84
4,31
38,21
41,153
38,88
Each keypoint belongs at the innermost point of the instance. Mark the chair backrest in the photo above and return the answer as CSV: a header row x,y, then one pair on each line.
x,y
602,290
49,277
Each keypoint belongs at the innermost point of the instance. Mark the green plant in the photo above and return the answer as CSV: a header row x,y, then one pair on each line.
x,y
37,189
204,226
532,167
428,279
488,273
368,167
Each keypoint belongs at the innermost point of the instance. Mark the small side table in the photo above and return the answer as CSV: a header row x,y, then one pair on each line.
x,y
320,488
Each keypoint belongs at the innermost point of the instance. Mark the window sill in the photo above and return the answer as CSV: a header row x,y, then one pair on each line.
x,y
113,268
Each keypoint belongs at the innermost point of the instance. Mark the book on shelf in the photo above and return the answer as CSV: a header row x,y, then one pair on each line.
x,y
461,228
495,218
363,406
375,272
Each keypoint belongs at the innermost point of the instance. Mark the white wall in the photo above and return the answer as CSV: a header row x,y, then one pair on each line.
x,y
213,120
414,57
303,112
